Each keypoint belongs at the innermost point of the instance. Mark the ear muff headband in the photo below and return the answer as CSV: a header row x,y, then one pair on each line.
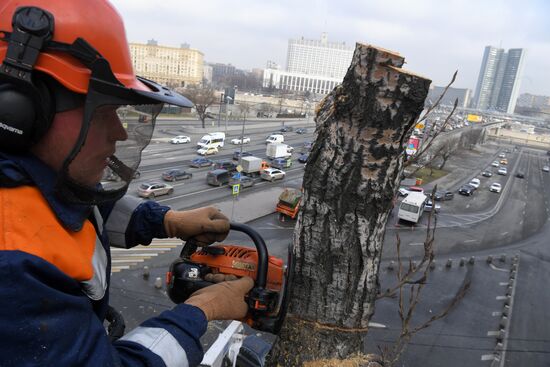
x,y
26,110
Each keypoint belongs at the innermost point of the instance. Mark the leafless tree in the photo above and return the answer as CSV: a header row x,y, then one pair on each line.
x,y
202,97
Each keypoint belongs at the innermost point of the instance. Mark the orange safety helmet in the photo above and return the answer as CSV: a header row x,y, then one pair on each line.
x,y
96,21
81,44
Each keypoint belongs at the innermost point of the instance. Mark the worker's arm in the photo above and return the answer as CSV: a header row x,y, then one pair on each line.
x,y
134,222
47,320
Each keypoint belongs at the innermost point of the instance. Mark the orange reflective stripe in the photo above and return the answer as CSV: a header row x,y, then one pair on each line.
x,y
28,224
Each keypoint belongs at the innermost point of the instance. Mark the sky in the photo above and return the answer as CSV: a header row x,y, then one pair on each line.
x,y
436,37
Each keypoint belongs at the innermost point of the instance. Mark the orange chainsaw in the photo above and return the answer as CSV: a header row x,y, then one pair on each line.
x,y
267,301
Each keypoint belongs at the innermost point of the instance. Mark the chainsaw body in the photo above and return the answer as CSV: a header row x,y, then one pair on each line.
x,y
267,301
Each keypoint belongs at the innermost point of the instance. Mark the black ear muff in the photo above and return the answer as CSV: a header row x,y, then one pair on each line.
x,y
17,119
23,119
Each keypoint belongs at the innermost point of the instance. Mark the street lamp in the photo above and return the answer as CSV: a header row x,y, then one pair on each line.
x,y
220,112
227,98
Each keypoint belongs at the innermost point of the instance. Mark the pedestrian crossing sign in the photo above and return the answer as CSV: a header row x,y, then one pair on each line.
x,y
236,189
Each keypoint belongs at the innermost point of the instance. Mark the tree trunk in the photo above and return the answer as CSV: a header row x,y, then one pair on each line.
x,y
352,175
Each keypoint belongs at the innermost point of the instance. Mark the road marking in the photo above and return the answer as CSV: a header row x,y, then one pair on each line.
x,y
487,357
170,158
467,206
504,284
504,233
468,241
496,314
416,244
493,333
498,269
500,298
376,325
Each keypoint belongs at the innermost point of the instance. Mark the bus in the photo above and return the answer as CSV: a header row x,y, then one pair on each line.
x,y
412,207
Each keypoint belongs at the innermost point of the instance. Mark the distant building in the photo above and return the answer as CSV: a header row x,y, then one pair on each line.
x,y
207,74
171,66
312,65
462,94
499,79
221,71
533,101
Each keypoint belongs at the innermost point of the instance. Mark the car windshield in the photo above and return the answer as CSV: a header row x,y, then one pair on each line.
x,y
144,186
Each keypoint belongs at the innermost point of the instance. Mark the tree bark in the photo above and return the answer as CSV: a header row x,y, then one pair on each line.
x,y
352,175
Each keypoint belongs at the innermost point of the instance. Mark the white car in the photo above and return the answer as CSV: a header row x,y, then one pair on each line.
x,y
403,191
238,141
474,182
502,171
272,174
207,151
546,169
495,164
502,155
181,139
495,187
289,149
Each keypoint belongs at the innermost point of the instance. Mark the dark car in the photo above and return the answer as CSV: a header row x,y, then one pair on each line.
x,y
486,173
300,130
284,129
237,155
520,175
226,165
306,147
467,190
442,195
245,181
303,158
201,162
176,174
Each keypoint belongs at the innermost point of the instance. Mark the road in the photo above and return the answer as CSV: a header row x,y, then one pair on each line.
x,y
512,222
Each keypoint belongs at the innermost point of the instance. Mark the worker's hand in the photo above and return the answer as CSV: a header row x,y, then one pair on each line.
x,y
206,225
223,301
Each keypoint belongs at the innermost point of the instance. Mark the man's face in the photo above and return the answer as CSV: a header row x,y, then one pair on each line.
x,y
87,167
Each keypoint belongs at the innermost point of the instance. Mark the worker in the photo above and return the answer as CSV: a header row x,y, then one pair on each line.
x,y
71,106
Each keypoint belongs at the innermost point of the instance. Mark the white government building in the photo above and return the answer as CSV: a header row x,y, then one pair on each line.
x,y
316,66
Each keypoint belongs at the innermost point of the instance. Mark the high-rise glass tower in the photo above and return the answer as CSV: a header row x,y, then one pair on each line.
x,y
499,79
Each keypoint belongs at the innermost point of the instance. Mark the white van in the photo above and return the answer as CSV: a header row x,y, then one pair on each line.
x,y
275,139
412,207
212,140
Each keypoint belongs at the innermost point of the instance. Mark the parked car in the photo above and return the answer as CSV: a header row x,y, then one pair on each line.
x,y
181,139
272,174
442,195
486,173
153,189
289,149
207,151
301,130
227,165
201,162
502,155
303,158
520,174
495,187
474,182
281,163
285,129
245,140
244,180
502,171
545,169
429,206
176,174
504,161
237,154
495,164
467,190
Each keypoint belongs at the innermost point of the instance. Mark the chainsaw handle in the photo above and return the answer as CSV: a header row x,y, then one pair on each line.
x,y
261,277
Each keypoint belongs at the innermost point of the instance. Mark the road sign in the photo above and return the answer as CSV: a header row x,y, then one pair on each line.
x,y
236,189
237,175
239,168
